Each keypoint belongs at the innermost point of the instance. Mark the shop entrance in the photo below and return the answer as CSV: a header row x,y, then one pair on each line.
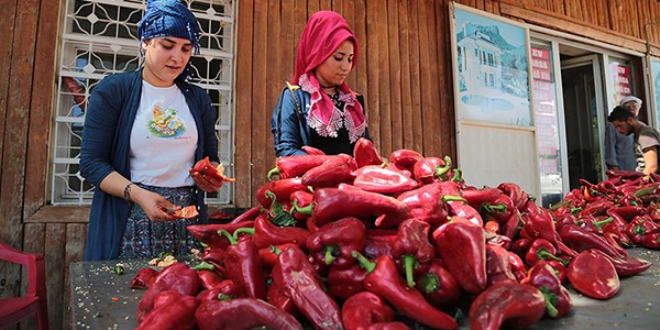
x,y
582,89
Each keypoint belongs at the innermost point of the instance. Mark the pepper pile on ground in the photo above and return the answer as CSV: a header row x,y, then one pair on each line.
x,y
356,242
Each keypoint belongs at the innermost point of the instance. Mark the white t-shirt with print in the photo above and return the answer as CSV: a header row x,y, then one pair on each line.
x,y
163,139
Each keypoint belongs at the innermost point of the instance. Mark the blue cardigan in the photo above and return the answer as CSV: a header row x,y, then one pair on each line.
x,y
105,148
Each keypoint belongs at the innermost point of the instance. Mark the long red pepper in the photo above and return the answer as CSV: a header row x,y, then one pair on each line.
x,y
292,166
243,266
178,277
438,285
345,282
333,242
312,151
412,249
541,249
461,246
281,189
300,281
332,172
330,204
364,309
225,290
266,234
540,225
517,195
243,314
425,203
498,267
581,239
626,265
383,180
507,303
208,233
248,215
176,314
365,153
431,169
558,299
384,279
593,275
209,277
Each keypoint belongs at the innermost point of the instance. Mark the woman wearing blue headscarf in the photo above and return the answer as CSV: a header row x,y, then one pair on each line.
x,y
143,132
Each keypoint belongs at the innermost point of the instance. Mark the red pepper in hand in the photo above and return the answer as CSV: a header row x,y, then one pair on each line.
x,y
330,204
412,249
144,277
461,246
345,282
379,179
204,166
558,299
541,249
507,303
333,242
243,314
287,167
364,309
266,234
243,266
178,277
383,279
365,153
438,285
332,172
300,281
593,275
176,314
498,267
208,233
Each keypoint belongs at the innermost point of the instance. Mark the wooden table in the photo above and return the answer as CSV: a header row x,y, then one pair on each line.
x,y
103,300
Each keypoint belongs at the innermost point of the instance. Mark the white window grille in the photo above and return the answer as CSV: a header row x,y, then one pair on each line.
x,y
99,38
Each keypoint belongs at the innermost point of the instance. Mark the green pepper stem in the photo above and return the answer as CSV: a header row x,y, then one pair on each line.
x,y
274,171
229,236
458,175
408,265
275,249
329,254
364,262
544,254
204,266
246,230
600,224
550,300
224,297
307,210
452,198
430,283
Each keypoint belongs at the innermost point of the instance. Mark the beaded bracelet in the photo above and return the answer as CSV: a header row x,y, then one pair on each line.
x,y
127,192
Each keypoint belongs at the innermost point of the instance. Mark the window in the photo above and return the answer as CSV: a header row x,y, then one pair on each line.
x,y
99,38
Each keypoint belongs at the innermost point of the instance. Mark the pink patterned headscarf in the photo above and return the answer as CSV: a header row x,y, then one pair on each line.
x,y
324,33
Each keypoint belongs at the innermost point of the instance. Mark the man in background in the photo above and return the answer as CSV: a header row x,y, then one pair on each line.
x,y
646,139
619,149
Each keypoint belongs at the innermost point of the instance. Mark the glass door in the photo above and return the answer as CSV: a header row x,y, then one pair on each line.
x,y
583,103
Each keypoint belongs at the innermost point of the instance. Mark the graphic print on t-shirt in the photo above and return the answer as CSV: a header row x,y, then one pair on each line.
x,y
166,123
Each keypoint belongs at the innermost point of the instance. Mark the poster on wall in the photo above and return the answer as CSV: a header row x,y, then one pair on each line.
x,y
655,70
492,69
622,83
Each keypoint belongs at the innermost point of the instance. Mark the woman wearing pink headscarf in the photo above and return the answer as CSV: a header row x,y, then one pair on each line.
x,y
318,108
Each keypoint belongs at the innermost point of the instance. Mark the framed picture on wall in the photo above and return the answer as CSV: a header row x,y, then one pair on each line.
x,y
491,68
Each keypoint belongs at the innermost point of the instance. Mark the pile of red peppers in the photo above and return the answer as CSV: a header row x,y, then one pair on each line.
x,y
362,242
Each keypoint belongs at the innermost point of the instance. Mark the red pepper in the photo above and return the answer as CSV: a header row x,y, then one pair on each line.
x,y
517,266
627,265
178,277
364,309
507,303
541,249
651,241
312,151
431,169
405,158
330,204
628,175
281,189
204,166
641,226
500,209
332,172
224,290
287,167
333,243
379,242
268,255
278,298
517,195
412,249
558,299
365,153
477,197
463,209
243,266
597,207
266,234
176,314
653,211
208,233
376,178
248,215
300,199
593,275
492,226
498,267
540,225
581,239
428,203
628,212
144,277
438,285
243,314
383,279
510,228
461,246
209,277
345,282
300,281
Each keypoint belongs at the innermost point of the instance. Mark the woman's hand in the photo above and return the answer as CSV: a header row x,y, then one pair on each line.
x,y
206,183
154,205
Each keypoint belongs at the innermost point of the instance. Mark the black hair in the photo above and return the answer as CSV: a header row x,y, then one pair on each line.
x,y
620,114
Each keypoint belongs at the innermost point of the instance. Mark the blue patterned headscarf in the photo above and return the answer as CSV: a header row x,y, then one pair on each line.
x,y
169,18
